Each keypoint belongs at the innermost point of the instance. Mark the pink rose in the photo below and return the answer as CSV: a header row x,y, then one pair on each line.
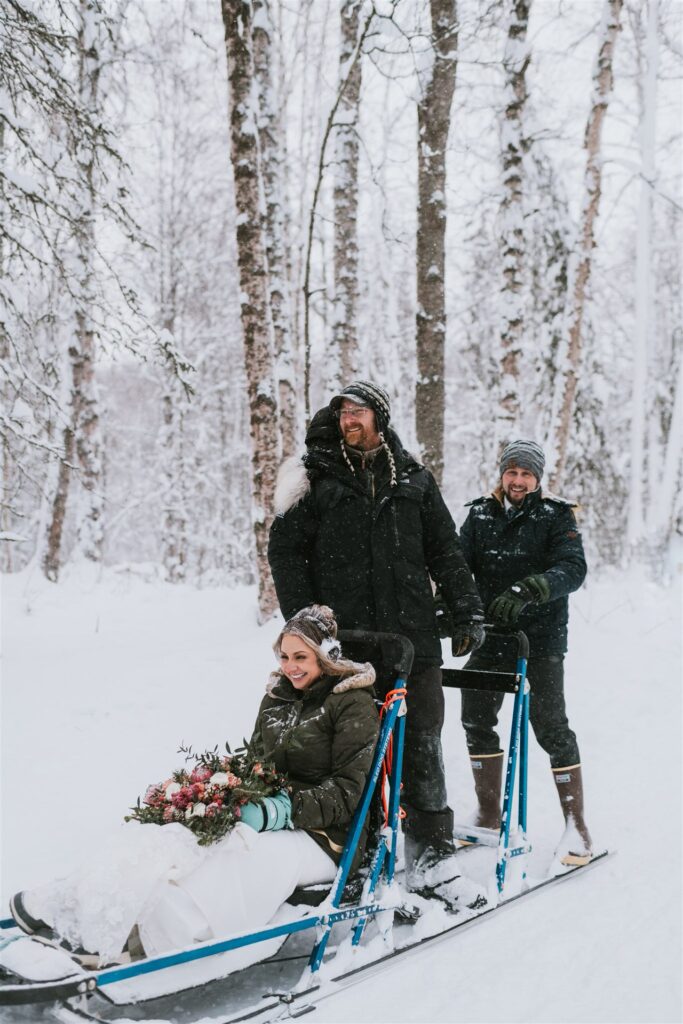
x,y
182,798
153,795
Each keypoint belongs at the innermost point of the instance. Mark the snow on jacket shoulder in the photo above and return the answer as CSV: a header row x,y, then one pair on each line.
x,y
323,738
543,537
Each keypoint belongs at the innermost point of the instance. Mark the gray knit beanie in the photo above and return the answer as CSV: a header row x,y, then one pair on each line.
x,y
526,455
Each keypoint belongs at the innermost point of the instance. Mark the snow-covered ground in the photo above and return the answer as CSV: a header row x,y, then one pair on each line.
x,y
102,680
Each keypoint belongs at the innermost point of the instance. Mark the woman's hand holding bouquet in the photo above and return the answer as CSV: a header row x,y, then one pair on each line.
x,y
216,793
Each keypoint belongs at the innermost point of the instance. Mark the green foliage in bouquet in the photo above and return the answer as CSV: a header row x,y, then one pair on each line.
x,y
207,798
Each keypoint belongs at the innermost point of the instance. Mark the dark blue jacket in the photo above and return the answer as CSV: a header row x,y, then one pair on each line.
x,y
541,538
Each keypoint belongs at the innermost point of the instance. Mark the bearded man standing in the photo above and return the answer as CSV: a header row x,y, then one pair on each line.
x,y
361,526
525,551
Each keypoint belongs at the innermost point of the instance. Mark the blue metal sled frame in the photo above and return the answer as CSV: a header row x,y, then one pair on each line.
x,y
517,759
382,866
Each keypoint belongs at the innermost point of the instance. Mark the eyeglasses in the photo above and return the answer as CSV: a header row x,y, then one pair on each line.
x,y
360,410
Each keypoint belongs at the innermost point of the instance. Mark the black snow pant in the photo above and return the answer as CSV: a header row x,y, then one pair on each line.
x,y
424,777
547,712
428,824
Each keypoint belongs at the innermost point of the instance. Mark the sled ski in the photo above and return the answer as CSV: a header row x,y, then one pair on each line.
x,y
294,1003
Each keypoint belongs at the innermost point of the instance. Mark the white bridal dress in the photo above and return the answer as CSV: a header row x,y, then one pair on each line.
x,y
179,893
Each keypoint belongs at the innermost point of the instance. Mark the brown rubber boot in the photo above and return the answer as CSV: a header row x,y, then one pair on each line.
x,y
487,771
576,845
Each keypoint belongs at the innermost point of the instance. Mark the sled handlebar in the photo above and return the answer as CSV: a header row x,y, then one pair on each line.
x,y
510,634
393,648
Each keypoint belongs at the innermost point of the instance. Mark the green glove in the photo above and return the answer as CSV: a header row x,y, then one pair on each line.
x,y
505,609
268,814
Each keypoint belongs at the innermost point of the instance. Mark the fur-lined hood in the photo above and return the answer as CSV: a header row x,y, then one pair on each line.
x,y
292,484
323,452
362,678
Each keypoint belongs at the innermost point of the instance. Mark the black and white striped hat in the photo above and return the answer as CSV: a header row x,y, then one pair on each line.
x,y
526,455
363,392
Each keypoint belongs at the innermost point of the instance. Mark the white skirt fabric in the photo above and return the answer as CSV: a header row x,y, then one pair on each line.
x,y
176,891
241,883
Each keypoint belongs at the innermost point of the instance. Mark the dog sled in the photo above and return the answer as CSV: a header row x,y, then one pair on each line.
x,y
334,935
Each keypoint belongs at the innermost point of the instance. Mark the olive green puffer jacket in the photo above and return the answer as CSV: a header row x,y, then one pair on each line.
x,y
323,738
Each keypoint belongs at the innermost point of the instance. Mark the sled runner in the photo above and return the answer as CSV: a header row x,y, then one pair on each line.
x,y
327,935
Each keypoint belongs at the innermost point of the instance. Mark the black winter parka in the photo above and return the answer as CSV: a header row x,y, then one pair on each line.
x,y
323,739
370,558
542,537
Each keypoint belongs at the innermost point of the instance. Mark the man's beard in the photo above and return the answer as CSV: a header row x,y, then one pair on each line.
x,y
517,500
357,439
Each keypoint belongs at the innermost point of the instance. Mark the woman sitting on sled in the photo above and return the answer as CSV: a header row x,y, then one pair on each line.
x,y
154,888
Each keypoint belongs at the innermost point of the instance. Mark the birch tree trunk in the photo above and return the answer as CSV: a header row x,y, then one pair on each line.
x,y
662,520
331,120
645,322
174,524
270,141
88,433
514,145
437,85
345,319
254,285
581,262
82,440
307,115
52,556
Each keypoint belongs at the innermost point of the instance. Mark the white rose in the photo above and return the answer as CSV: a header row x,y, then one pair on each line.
x,y
188,813
199,810
219,779
173,787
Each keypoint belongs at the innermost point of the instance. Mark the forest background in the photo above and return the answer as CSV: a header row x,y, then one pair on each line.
x,y
215,213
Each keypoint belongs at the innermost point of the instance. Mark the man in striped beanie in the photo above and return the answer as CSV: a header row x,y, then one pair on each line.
x,y
361,526
525,551
363,412
524,455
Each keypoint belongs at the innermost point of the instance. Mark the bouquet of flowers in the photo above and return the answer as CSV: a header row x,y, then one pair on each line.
x,y
207,797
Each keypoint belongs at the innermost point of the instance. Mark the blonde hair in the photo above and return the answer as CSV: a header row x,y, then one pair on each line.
x,y
317,627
